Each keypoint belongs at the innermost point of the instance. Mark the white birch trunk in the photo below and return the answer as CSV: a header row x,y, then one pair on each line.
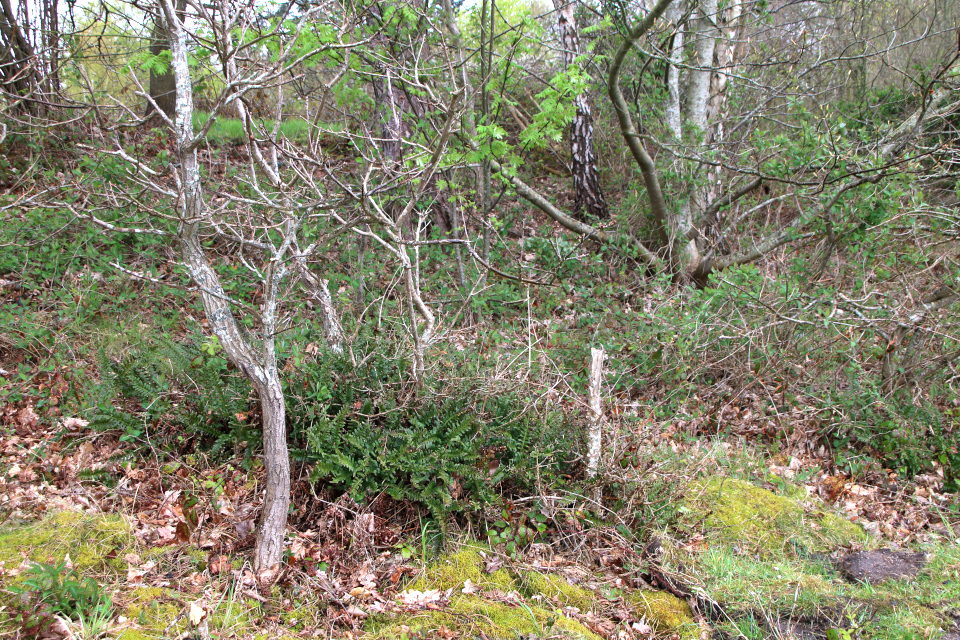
x,y
705,34
595,397
674,122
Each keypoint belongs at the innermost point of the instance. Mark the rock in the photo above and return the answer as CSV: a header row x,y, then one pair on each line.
x,y
760,522
880,565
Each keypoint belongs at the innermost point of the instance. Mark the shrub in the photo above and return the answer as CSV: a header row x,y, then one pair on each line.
x,y
171,384
355,428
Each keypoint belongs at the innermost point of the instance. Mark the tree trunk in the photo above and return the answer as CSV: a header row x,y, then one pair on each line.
x,y
260,370
673,117
163,87
588,196
19,76
628,129
595,398
51,40
276,458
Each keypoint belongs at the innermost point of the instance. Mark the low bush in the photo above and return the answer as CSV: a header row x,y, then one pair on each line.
x,y
177,392
360,433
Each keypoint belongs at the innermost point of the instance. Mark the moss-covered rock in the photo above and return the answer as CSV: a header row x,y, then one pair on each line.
x,y
555,588
759,521
664,612
472,616
93,542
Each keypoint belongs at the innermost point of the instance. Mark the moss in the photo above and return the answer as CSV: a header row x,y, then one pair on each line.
x,y
453,570
741,514
198,558
473,617
555,588
153,609
93,542
304,613
664,612
136,634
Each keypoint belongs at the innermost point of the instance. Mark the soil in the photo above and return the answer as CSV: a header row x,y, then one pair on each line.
x,y
884,564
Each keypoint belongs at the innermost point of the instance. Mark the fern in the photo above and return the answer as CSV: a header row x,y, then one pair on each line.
x,y
192,395
433,452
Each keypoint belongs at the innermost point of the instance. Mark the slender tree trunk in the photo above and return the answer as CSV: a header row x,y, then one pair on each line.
x,y
628,129
686,250
329,319
488,10
51,39
470,126
595,398
673,117
260,370
276,457
588,195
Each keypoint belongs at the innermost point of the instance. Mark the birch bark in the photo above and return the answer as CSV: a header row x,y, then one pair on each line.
x,y
588,195
595,396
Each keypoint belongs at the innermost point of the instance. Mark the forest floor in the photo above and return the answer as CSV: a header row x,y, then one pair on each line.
x,y
764,547
733,519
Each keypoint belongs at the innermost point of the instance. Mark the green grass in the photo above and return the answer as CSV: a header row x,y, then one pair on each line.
x,y
231,129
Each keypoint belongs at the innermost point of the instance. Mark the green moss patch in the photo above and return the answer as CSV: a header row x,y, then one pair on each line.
x,y
472,616
764,560
153,610
555,588
664,612
759,521
93,542
156,612
452,571
535,608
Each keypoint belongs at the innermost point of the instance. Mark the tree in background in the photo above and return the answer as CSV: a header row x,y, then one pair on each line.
x,y
588,194
163,89
716,157
30,55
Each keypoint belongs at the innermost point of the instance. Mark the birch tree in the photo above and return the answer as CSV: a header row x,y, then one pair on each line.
x,y
588,195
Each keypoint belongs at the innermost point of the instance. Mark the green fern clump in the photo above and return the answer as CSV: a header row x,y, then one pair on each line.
x,y
358,432
170,388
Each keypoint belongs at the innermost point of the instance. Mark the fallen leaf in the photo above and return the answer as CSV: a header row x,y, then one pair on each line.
x,y
419,599
74,424
197,613
356,612
135,574
360,593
